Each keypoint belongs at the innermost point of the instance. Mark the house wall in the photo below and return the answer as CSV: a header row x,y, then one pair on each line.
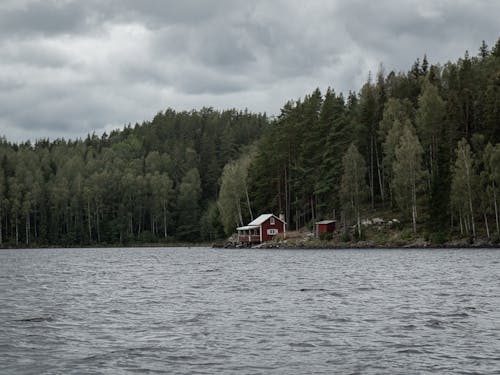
x,y
326,228
266,225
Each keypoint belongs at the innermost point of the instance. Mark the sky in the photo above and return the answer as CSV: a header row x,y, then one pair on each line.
x,y
73,67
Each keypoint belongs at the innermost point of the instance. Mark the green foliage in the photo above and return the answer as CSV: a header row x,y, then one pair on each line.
x,y
234,204
353,185
439,237
326,236
463,188
145,183
187,175
408,173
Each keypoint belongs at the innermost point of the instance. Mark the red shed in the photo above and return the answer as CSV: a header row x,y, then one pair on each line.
x,y
262,229
325,226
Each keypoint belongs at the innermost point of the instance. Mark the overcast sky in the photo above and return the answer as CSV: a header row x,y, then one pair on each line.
x,y
68,68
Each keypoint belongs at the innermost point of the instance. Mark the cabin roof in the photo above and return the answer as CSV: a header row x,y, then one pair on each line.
x,y
248,227
326,222
262,218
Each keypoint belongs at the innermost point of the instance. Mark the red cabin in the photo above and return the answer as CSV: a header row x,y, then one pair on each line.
x,y
262,229
325,226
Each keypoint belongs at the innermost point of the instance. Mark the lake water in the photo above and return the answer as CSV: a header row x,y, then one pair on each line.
x,y
219,311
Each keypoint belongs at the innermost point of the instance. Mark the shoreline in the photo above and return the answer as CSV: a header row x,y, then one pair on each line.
x,y
284,245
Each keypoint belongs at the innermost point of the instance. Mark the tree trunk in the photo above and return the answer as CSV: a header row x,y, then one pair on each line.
x,y
89,220
358,222
496,208
372,188
35,226
287,195
414,207
248,201
165,219
27,229
240,216
380,175
311,202
17,233
486,224
469,190
98,227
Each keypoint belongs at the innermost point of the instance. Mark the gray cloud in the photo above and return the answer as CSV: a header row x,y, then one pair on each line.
x,y
70,67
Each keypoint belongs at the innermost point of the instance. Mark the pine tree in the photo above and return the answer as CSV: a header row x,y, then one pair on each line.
x,y
483,50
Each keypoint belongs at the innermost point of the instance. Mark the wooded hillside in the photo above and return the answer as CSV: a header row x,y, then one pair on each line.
x,y
421,145
157,181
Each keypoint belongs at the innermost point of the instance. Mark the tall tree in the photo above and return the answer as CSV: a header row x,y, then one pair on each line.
x,y
234,194
408,173
353,186
189,194
429,121
463,185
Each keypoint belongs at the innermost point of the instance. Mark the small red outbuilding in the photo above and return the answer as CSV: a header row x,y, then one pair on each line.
x,y
325,226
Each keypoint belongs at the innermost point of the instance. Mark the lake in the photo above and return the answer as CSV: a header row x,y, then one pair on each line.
x,y
222,311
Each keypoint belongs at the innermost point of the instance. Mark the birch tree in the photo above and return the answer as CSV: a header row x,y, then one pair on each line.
x,y
408,173
353,186
463,185
429,120
233,196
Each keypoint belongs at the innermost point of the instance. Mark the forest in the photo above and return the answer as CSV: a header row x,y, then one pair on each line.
x,y
422,146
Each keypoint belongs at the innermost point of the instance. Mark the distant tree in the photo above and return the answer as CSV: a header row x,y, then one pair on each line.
x,y
210,223
463,185
429,121
483,50
2,201
189,194
353,186
389,148
234,195
495,51
161,194
408,173
489,185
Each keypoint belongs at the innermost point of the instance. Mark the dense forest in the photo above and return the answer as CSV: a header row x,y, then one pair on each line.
x,y
157,181
422,146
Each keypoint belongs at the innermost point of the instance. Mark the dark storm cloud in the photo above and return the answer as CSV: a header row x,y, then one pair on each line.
x,y
70,67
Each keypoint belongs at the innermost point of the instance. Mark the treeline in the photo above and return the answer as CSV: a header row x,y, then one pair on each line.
x,y
157,181
422,145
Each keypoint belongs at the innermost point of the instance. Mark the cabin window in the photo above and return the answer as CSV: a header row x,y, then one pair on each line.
x,y
271,221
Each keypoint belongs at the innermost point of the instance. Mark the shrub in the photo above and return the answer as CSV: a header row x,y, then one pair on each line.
x,y
326,236
438,238
345,237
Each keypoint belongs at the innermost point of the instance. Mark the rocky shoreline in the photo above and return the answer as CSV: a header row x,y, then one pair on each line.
x,y
318,244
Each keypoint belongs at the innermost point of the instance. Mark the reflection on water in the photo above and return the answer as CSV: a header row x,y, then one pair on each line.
x,y
200,310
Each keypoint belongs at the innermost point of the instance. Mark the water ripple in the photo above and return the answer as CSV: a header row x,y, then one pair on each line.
x,y
205,311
